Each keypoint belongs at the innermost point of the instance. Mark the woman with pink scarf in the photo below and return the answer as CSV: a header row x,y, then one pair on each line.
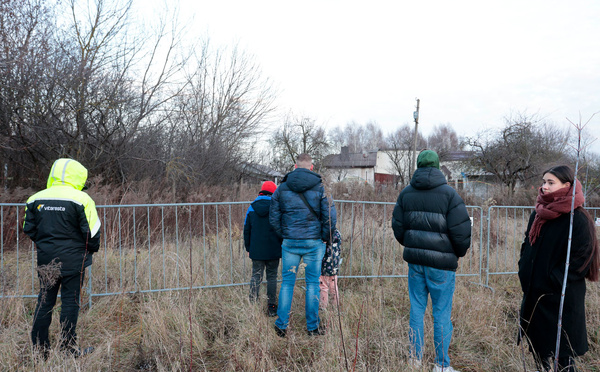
x,y
542,268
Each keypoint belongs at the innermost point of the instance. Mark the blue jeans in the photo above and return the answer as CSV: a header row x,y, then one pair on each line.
x,y
311,251
424,281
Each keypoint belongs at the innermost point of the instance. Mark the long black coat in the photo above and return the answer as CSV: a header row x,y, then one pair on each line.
x,y
541,272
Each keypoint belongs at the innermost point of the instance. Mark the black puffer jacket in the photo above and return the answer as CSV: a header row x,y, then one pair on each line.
x,y
431,221
291,218
259,237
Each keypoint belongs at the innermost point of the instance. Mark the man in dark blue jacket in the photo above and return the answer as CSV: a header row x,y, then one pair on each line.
x,y
263,246
303,216
431,221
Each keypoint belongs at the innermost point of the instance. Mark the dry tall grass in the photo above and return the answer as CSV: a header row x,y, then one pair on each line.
x,y
142,251
220,330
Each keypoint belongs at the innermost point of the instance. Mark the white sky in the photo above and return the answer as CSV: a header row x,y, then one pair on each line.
x,y
470,62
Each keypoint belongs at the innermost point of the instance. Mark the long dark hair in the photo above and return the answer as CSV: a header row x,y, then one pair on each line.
x,y
564,173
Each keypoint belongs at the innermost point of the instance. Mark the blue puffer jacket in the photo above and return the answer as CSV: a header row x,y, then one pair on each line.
x,y
291,218
431,221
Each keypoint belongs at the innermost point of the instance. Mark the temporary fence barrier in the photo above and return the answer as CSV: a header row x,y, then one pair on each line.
x,y
506,226
169,247
369,248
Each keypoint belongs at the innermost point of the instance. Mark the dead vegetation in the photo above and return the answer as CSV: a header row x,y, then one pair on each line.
x,y
369,332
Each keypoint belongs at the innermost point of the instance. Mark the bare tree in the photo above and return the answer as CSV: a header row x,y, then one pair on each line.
x,y
213,124
399,149
589,166
519,151
357,137
25,48
443,140
590,175
90,85
298,135
120,79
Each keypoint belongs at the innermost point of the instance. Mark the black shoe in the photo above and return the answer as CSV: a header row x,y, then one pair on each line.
x,y
43,351
78,353
320,331
280,332
272,310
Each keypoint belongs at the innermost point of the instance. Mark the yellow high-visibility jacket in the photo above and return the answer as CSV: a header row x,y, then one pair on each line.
x,y
62,220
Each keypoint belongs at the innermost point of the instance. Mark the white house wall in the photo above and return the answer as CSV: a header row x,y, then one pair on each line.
x,y
385,165
352,174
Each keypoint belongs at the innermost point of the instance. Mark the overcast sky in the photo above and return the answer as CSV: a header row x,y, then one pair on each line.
x,y
471,63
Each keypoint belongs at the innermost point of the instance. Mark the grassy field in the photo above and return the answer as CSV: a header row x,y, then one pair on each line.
x,y
220,330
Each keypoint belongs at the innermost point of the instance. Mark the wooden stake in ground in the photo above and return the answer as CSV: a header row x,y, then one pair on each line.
x,y
579,127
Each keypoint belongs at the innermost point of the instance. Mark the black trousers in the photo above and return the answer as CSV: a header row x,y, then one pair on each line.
x,y
271,267
70,289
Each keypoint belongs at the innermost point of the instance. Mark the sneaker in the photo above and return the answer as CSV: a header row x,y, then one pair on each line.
x,y
414,363
320,331
316,332
280,332
272,310
438,368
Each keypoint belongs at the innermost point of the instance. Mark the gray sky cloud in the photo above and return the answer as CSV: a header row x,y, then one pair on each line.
x,y
470,62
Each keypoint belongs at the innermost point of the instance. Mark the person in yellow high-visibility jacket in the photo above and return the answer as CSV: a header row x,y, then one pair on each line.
x,y
63,223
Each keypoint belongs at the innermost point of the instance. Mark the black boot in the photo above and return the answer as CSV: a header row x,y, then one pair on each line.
x,y
320,331
280,332
272,310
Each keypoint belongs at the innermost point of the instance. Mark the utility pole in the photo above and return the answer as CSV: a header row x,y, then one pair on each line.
x,y
416,116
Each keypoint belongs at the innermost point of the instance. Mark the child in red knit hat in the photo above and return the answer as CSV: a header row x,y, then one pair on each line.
x,y
263,246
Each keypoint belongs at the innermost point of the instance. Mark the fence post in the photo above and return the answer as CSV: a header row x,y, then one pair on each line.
x,y
89,270
487,256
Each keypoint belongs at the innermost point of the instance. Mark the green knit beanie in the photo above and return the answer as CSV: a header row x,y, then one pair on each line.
x,y
428,158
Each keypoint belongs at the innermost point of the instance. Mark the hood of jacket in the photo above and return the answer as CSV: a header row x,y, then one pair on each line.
x,y
67,172
427,178
261,205
302,179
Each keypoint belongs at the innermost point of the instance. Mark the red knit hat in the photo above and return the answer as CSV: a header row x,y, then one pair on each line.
x,y
268,186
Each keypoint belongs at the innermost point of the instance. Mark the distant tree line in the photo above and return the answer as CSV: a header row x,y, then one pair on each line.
x,y
515,154
138,101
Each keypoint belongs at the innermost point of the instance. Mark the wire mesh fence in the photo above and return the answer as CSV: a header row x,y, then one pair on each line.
x,y
168,247
506,227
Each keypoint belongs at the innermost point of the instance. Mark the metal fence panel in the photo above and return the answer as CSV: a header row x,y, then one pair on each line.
x,y
158,247
369,248
166,247
506,226
17,254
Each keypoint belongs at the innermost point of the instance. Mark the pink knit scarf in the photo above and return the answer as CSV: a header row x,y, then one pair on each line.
x,y
549,206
